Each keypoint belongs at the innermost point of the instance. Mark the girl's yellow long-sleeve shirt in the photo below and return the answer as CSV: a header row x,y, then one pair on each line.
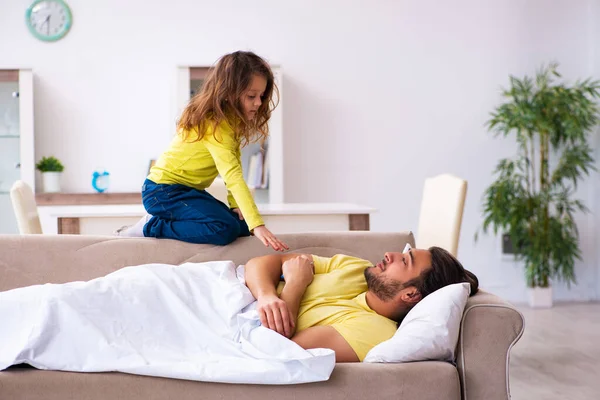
x,y
197,164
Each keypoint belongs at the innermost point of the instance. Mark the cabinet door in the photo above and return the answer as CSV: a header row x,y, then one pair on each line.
x,y
9,129
27,151
16,139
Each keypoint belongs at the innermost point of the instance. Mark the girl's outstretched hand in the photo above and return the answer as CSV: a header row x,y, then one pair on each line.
x,y
269,239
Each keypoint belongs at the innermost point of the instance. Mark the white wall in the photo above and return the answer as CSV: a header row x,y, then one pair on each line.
x,y
372,89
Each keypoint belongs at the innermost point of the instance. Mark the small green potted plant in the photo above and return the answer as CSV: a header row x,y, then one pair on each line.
x,y
532,199
51,169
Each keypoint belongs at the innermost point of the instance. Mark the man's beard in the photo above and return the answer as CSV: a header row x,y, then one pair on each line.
x,y
384,288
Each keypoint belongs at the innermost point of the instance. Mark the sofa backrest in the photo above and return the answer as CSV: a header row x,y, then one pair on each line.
x,y
36,259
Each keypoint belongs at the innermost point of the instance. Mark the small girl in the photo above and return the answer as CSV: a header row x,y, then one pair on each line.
x,y
232,109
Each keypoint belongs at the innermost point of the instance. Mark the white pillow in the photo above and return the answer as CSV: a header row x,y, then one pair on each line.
x,y
429,331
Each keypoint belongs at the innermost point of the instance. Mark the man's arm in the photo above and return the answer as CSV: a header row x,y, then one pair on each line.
x,y
298,273
326,337
263,274
262,277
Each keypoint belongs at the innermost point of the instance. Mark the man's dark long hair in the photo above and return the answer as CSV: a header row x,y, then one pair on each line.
x,y
445,270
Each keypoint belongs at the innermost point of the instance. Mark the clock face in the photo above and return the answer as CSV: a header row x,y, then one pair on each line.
x,y
48,20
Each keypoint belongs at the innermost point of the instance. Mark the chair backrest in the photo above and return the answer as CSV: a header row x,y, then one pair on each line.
x,y
218,190
25,207
441,212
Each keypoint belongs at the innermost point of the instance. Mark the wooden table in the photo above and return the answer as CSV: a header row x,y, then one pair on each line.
x,y
101,214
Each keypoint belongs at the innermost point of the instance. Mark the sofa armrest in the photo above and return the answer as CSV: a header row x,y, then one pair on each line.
x,y
490,327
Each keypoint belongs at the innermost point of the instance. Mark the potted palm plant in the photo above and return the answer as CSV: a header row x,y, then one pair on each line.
x,y
51,169
532,199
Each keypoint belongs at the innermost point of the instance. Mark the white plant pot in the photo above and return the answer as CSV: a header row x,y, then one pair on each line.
x,y
51,182
540,297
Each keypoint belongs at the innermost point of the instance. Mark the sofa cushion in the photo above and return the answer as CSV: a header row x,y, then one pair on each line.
x,y
33,259
423,381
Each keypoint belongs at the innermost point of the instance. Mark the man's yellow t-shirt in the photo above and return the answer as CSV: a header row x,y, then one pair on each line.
x,y
336,297
197,163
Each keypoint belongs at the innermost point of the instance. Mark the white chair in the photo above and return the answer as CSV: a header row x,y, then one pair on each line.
x,y
218,190
25,208
441,212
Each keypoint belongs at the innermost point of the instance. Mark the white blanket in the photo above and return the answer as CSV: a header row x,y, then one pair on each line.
x,y
196,321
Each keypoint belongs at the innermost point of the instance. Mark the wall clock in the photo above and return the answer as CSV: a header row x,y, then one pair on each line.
x,y
48,20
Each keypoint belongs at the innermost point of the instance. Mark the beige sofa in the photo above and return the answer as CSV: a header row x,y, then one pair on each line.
x,y
489,330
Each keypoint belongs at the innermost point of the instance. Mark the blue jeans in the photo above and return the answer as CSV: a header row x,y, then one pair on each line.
x,y
184,213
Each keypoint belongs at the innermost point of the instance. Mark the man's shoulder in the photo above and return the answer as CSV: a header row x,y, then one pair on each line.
x,y
338,261
345,258
339,257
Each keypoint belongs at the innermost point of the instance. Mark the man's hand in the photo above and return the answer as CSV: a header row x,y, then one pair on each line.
x,y
298,271
274,314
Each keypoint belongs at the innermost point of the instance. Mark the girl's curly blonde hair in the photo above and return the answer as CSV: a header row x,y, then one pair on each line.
x,y
220,99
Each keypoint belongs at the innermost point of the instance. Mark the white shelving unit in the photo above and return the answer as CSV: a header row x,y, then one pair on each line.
x,y
189,77
17,155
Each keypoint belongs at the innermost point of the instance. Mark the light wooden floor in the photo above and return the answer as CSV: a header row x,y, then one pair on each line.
x,y
558,356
